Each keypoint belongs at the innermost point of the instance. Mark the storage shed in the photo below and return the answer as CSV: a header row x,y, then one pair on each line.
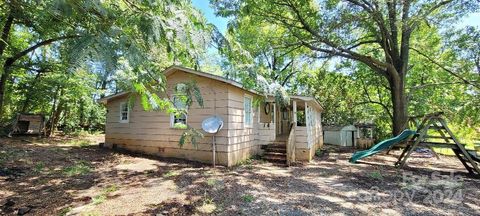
x,y
25,124
340,135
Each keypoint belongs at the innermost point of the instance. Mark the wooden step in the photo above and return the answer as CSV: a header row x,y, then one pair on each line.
x,y
274,146
270,153
275,149
436,127
275,158
438,137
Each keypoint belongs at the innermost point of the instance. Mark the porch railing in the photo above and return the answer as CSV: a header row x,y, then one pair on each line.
x,y
291,144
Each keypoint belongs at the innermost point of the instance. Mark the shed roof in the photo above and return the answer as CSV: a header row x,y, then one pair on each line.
x,y
338,127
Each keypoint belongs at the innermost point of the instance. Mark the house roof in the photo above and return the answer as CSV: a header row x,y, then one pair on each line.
x,y
170,70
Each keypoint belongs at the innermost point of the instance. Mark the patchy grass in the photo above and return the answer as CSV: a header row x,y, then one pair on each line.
x,y
211,182
79,168
250,162
39,167
65,211
201,190
248,198
110,189
78,143
170,174
376,175
319,152
99,199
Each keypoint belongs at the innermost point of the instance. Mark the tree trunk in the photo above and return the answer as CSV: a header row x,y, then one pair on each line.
x,y
3,83
399,102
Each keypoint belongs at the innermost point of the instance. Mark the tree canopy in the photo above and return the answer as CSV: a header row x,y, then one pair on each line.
x,y
383,36
58,56
364,60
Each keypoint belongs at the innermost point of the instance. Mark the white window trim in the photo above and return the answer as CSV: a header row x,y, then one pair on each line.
x,y
128,113
245,125
172,116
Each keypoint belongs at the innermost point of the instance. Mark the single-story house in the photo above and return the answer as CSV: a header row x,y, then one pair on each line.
x,y
247,127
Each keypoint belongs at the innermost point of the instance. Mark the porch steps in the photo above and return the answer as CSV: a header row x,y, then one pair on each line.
x,y
276,152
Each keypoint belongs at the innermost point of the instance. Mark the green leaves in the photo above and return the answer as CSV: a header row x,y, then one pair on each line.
x,y
190,135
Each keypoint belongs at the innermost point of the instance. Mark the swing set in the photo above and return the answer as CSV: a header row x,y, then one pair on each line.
x,y
429,131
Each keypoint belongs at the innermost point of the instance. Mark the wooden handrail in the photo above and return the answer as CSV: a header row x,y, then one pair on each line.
x,y
291,144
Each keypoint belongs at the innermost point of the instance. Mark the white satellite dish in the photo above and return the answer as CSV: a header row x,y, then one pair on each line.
x,y
212,125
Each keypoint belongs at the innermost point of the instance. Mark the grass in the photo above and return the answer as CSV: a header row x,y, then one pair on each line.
x,y
39,167
65,211
248,198
78,143
376,175
110,189
208,206
79,168
319,152
170,174
99,199
249,162
211,182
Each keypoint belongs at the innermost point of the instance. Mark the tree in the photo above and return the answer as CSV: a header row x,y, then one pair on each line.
x,y
377,34
105,37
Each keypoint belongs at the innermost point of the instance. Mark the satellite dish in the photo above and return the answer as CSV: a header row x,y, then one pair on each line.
x,y
212,124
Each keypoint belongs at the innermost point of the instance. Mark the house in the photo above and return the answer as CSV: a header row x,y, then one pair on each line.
x,y
247,127
359,135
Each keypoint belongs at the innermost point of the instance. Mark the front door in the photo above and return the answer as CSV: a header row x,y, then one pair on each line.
x,y
283,120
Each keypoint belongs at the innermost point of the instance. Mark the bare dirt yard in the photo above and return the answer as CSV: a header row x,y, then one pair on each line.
x,y
72,176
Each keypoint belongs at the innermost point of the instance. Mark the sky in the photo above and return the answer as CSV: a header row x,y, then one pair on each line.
x,y
221,23
204,7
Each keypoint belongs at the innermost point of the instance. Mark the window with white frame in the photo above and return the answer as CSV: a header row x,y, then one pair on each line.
x,y
179,120
247,107
124,112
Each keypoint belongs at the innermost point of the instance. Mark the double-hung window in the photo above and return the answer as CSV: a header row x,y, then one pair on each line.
x,y
247,107
124,112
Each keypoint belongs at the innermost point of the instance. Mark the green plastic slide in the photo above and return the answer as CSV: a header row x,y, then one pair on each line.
x,y
384,145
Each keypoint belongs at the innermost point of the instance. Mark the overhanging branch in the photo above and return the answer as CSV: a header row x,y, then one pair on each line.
x,y
444,68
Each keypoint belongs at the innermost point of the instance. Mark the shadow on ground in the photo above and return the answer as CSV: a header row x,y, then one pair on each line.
x,y
52,179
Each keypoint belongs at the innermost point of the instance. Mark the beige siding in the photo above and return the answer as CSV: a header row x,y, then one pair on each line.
x,y
242,144
304,150
150,132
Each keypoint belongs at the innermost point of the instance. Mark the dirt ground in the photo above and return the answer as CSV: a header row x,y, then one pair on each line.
x,y
65,176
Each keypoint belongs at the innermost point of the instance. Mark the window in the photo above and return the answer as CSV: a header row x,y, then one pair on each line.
x,y
247,107
179,120
124,112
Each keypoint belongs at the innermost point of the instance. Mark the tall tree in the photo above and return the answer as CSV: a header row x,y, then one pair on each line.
x,y
377,34
141,36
